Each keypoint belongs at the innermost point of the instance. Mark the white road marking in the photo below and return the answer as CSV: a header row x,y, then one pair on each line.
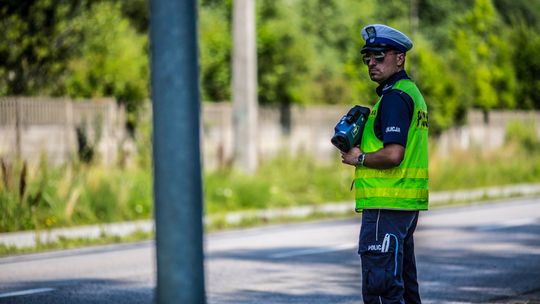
x,y
293,253
25,292
508,224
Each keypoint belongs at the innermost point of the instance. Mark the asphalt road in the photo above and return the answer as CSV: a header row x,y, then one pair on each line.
x,y
488,253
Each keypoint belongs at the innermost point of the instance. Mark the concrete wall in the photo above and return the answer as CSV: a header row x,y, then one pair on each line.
x,y
479,134
30,127
48,125
311,131
313,127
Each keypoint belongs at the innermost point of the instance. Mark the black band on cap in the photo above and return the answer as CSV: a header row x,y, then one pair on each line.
x,y
380,47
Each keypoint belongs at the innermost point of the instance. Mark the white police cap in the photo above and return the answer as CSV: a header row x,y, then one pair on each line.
x,y
380,37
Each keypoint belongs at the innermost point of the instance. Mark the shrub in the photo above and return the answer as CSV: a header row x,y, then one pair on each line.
x,y
523,135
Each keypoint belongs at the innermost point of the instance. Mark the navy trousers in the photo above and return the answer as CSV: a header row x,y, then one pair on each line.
x,y
386,249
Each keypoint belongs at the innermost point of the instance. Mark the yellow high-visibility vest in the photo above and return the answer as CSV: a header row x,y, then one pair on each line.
x,y
404,187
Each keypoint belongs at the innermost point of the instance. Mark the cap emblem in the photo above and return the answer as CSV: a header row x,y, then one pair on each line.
x,y
371,32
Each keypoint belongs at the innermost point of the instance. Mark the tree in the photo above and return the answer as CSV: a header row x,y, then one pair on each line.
x,y
483,58
439,86
80,48
335,27
36,40
526,42
284,57
437,17
137,13
526,11
113,59
215,52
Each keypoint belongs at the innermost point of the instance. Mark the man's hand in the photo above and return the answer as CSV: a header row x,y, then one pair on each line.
x,y
388,157
351,157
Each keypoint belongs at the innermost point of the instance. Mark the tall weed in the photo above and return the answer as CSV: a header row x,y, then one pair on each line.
x,y
21,197
75,194
523,135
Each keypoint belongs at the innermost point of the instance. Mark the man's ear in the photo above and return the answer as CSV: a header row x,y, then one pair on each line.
x,y
401,59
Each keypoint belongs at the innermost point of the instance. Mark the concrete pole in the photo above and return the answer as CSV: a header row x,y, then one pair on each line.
x,y
244,86
414,18
413,23
176,152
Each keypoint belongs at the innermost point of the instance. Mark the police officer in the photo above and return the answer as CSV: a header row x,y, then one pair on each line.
x,y
391,175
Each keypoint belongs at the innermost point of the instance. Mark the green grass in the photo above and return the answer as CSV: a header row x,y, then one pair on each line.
x,y
70,196
46,196
43,196
466,170
518,161
285,181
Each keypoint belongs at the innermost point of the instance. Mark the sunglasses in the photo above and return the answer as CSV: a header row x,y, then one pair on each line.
x,y
379,57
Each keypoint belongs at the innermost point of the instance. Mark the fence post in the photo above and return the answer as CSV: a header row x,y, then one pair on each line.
x,y
68,128
18,117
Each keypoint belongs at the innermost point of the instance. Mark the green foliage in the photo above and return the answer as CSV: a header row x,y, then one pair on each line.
x,y
338,75
83,48
525,10
527,65
523,134
474,169
281,182
306,51
114,195
468,53
439,86
285,56
391,10
37,39
436,17
23,194
137,12
484,59
215,53
113,59
49,196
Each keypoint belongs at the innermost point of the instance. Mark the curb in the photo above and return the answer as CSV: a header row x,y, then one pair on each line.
x,y
31,238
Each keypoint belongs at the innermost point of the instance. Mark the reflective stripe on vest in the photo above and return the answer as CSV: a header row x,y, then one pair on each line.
x,y
404,187
395,173
419,194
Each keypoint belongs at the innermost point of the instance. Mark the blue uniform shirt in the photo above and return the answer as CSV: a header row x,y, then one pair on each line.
x,y
395,112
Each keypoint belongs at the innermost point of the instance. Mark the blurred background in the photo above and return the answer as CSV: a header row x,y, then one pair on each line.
x,y
75,114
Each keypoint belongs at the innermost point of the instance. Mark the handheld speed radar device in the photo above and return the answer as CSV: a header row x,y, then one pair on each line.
x,y
348,131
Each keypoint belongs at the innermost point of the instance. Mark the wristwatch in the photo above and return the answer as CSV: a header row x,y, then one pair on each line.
x,y
361,159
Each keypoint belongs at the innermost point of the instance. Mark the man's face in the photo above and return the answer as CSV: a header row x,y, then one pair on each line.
x,y
382,65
